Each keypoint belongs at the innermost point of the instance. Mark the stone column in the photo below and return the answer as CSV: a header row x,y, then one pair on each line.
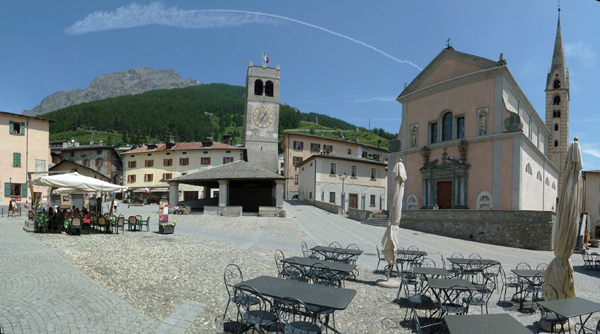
x,y
173,193
206,192
279,193
223,192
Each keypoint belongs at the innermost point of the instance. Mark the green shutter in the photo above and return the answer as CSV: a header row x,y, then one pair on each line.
x,y
17,159
24,189
11,127
6,189
22,128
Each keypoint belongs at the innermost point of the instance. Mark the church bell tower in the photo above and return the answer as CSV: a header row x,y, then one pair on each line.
x,y
261,122
557,105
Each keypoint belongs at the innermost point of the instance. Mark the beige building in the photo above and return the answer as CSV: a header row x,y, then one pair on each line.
x,y
470,138
149,167
298,147
344,180
101,158
591,201
26,144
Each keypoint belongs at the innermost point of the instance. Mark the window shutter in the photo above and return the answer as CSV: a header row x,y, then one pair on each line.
x,y
17,159
7,185
22,128
24,189
11,127
224,159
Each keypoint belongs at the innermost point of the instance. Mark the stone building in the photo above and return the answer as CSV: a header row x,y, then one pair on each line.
x,y
343,180
470,138
591,200
298,147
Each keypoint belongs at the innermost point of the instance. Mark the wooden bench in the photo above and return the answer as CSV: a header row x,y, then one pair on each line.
x,y
187,210
268,212
230,213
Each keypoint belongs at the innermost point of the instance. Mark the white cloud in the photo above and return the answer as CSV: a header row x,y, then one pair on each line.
x,y
581,52
135,15
591,149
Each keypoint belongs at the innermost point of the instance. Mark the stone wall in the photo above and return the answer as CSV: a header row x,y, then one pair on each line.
x,y
329,207
521,229
360,215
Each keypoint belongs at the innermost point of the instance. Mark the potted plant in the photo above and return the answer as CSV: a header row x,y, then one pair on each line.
x,y
166,228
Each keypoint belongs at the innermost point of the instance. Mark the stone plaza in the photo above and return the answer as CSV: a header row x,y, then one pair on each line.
x,y
145,282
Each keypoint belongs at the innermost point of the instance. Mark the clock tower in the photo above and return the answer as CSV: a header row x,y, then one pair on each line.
x,y
261,122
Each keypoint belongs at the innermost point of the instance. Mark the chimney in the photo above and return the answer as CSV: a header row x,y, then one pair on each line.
x,y
227,139
91,141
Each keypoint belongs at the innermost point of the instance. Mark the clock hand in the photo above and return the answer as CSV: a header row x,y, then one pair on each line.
x,y
262,118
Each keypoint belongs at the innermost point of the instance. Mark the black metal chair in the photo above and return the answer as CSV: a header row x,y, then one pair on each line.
x,y
510,281
260,315
473,272
475,256
455,300
588,260
294,271
454,271
278,257
482,295
523,266
457,256
335,244
296,317
418,297
549,293
321,274
426,324
231,277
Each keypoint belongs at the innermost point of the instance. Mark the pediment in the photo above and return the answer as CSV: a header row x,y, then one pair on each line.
x,y
447,65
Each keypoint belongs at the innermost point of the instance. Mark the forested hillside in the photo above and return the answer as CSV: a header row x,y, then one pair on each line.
x,y
189,114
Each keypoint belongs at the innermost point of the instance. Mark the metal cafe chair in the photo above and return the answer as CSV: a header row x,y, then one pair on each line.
x,y
422,324
257,315
321,274
454,300
549,293
297,318
75,225
232,276
482,295
294,271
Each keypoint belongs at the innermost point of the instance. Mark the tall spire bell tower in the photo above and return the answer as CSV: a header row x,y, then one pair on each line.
x,y
557,104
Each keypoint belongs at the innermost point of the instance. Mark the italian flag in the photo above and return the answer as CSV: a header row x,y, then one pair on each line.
x,y
265,59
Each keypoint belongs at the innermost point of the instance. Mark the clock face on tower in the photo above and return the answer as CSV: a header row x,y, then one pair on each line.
x,y
263,117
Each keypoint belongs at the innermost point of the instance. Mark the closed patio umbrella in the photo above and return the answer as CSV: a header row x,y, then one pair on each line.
x,y
389,241
560,271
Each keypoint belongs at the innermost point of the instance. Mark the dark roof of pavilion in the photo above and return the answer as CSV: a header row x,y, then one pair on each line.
x,y
237,170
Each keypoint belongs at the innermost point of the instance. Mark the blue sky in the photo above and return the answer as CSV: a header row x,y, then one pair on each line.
x,y
346,59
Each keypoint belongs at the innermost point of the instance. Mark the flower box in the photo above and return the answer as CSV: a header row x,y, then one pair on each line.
x,y
166,229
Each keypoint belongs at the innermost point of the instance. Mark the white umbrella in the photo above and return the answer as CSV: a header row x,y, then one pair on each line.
x,y
78,183
389,241
560,271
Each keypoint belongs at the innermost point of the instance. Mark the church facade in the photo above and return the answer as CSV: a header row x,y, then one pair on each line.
x,y
470,138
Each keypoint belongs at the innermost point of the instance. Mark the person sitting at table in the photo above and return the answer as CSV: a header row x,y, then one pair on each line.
x,y
87,218
176,210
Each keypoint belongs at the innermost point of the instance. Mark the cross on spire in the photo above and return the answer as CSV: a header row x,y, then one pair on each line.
x,y
448,44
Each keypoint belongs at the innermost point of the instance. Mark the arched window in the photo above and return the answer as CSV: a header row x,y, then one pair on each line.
x,y
556,143
556,114
556,100
447,127
553,186
555,126
547,182
556,84
269,88
539,176
528,169
258,87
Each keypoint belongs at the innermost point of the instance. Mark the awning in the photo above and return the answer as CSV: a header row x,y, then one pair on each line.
x,y
152,190
77,182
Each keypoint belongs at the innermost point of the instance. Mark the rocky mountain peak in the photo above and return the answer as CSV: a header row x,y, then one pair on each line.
x,y
135,81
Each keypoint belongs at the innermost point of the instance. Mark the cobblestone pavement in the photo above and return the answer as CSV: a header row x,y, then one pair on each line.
x,y
143,282
41,293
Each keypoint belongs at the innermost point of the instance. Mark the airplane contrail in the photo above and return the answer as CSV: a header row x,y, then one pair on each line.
x,y
135,15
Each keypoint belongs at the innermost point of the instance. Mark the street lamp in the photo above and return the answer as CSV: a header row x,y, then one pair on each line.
x,y
343,178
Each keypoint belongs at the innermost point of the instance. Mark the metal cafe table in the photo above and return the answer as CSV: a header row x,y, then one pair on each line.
x,y
442,287
527,275
321,296
485,323
572,307
431,272
339,267
464,263
333,252
408,256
